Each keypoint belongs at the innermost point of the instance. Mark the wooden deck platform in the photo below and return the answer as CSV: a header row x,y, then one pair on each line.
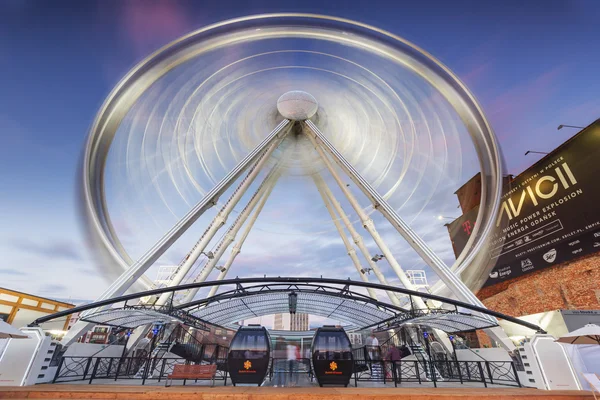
x,y
267,393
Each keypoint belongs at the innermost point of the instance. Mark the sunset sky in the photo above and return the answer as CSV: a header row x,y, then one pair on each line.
x,y
532,65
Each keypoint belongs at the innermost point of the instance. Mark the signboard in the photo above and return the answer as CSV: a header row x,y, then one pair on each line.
x,y
550,213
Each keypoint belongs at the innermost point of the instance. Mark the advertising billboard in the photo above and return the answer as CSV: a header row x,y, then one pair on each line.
x,y
549,214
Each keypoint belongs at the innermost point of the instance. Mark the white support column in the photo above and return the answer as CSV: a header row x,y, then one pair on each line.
x,y
217,223
369,226
446,275
451,280
233,231
358,240
238,246
349,248
133,273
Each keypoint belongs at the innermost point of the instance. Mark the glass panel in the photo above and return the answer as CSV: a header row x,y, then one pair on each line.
x,y
332,346
249,344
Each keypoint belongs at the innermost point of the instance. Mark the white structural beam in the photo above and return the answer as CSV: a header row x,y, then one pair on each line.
x,y
358,240
368,224
452,281
136,270
349,248
237,248
232,232
328,200
218,222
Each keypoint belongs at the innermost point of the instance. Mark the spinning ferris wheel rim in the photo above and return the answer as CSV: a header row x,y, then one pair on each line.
x,y
141,77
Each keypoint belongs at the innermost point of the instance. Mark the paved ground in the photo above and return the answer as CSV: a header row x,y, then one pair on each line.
x,y
266,393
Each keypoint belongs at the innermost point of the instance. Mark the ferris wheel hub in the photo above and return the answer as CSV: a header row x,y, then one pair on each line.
x,y
297,105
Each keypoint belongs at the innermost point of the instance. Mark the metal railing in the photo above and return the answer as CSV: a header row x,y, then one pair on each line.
x,y
450,371
385,371
72,369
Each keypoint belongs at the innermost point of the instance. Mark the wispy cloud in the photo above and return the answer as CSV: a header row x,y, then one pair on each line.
x,y
57,249
12,271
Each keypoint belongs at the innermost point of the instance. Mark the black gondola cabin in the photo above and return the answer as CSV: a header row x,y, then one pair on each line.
x,y
249,353
332,356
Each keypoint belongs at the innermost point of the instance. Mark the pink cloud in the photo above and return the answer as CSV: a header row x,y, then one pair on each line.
x,y
148,25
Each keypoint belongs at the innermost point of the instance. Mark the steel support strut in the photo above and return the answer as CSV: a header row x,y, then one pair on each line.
x,y
132,274
452,281
360,243
238,246
219,220
349,249
368,224
233,230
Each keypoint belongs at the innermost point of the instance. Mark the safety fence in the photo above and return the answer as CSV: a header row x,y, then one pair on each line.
x,y
125,368
384,371
403,371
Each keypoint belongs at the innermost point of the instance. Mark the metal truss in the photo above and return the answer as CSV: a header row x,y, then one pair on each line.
x,y
343,300
448,321
134,316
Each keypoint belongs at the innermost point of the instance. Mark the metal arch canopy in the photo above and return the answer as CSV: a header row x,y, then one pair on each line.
x,y
325,304
339,290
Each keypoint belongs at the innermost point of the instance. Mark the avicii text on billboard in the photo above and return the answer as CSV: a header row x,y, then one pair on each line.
x,y
549,214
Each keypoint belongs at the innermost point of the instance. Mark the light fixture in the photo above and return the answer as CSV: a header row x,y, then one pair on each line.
x,y
441,217
366,271
536,152
209,254
377,257
293,302
568,126
220,268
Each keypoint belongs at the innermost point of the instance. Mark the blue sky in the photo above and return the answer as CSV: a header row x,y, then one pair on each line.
x,y
532,65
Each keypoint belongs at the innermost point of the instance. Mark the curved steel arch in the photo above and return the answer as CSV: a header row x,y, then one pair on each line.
x,y
298,281
278,286
347,308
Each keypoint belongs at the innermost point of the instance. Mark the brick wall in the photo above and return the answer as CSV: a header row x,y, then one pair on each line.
x,y
573,285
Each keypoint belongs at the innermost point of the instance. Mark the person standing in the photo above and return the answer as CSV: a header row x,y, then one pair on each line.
x,y
292,352
279,362
373,346
394,357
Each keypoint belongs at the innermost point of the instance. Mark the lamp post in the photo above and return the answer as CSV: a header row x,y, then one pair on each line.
x,y
293,302
568,126
536,152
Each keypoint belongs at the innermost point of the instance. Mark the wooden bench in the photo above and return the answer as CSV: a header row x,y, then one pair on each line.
x,y
183,371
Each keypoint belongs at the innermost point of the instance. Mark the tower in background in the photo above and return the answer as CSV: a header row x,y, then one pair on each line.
x,y
291,322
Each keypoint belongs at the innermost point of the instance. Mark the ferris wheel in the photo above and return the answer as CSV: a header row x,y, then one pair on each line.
x,y
218,120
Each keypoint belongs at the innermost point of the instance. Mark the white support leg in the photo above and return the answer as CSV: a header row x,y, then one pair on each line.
x,y
133,273
358,240
232,232
445,274
451,280
217,223
369,226
349,248
238,246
